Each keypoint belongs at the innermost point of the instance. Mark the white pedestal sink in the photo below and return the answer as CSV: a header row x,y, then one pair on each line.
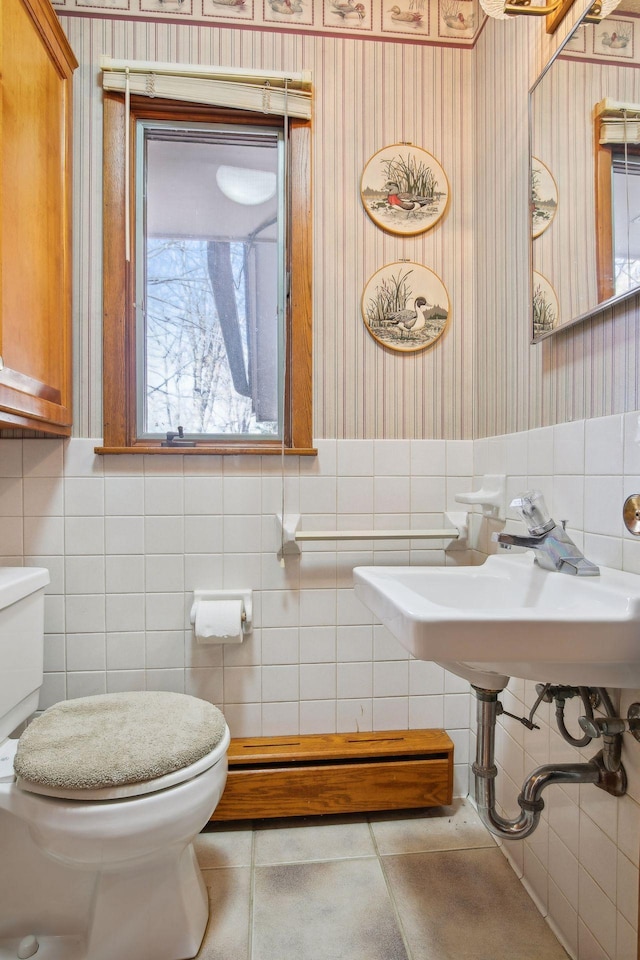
x,y
510,618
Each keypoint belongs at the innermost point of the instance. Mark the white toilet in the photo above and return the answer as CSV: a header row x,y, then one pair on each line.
x,y
116,785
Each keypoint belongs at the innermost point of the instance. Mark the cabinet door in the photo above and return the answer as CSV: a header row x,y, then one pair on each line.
x,y
35,210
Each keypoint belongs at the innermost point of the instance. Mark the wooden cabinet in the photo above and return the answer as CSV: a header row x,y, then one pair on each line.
x,y
35,213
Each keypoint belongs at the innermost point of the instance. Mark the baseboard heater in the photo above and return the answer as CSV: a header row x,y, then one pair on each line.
x,y
336,773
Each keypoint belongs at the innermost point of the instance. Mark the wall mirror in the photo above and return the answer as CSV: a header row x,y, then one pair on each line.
x,y
584,114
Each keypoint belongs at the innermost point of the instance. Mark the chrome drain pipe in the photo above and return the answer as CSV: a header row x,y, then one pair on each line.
x,y
530,799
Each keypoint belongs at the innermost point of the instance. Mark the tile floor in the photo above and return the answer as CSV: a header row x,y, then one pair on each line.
x,y
430,885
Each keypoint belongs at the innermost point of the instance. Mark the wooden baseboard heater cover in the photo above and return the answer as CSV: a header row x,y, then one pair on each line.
x,y
336,773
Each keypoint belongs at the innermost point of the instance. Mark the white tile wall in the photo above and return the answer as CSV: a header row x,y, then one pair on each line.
x,y
582,866
128,539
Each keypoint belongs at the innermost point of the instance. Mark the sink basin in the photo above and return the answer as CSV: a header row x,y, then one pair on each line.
x,y
510,618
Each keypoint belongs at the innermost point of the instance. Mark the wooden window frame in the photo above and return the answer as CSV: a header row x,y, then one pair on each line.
x,y
605,153
119,341
604,217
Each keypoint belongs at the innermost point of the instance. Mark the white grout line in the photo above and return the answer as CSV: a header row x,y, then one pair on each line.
x,y
252,884
390,893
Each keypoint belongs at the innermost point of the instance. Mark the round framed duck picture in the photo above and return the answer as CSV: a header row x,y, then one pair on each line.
x,y
546,312
404,190
405,306
544,197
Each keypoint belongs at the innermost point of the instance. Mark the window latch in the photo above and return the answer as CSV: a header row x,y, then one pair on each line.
x,y
180,442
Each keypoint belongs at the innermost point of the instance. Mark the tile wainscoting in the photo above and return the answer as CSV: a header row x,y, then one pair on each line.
x,y
581,864
128,539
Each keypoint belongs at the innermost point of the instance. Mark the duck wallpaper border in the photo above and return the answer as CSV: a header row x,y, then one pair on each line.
x,y
440,22
404,190
405,306
609,42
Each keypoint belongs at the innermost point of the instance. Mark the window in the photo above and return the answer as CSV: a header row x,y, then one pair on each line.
x,y
207,325
626,210
209,280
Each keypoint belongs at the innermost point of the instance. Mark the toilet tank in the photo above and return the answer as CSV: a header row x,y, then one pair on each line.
x,y
21,643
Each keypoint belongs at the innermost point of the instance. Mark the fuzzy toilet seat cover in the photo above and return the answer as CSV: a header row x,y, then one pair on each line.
x,y
117,738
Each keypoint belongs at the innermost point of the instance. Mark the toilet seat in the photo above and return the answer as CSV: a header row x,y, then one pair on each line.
x,y
116,746
130,790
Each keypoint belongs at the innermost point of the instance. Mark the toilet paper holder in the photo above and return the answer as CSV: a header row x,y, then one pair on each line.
x,y
246,596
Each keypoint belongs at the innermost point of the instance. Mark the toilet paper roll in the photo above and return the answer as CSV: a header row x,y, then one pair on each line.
x,y
218,621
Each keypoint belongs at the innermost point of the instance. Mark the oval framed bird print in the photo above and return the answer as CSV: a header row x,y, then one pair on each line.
x,y
404,189
405,306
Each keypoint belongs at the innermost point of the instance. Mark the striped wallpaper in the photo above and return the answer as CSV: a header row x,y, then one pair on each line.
x,y
587,371
468,108
368,94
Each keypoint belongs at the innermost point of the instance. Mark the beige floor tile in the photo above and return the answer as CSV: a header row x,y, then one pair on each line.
x,y
220,847
441,828
467,905
227,935
336,910
298,841
319,891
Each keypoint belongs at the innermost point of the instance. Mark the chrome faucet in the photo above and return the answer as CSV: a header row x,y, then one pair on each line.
x,y
552,545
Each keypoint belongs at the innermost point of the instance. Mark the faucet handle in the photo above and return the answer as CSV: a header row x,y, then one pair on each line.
x,y
533,510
